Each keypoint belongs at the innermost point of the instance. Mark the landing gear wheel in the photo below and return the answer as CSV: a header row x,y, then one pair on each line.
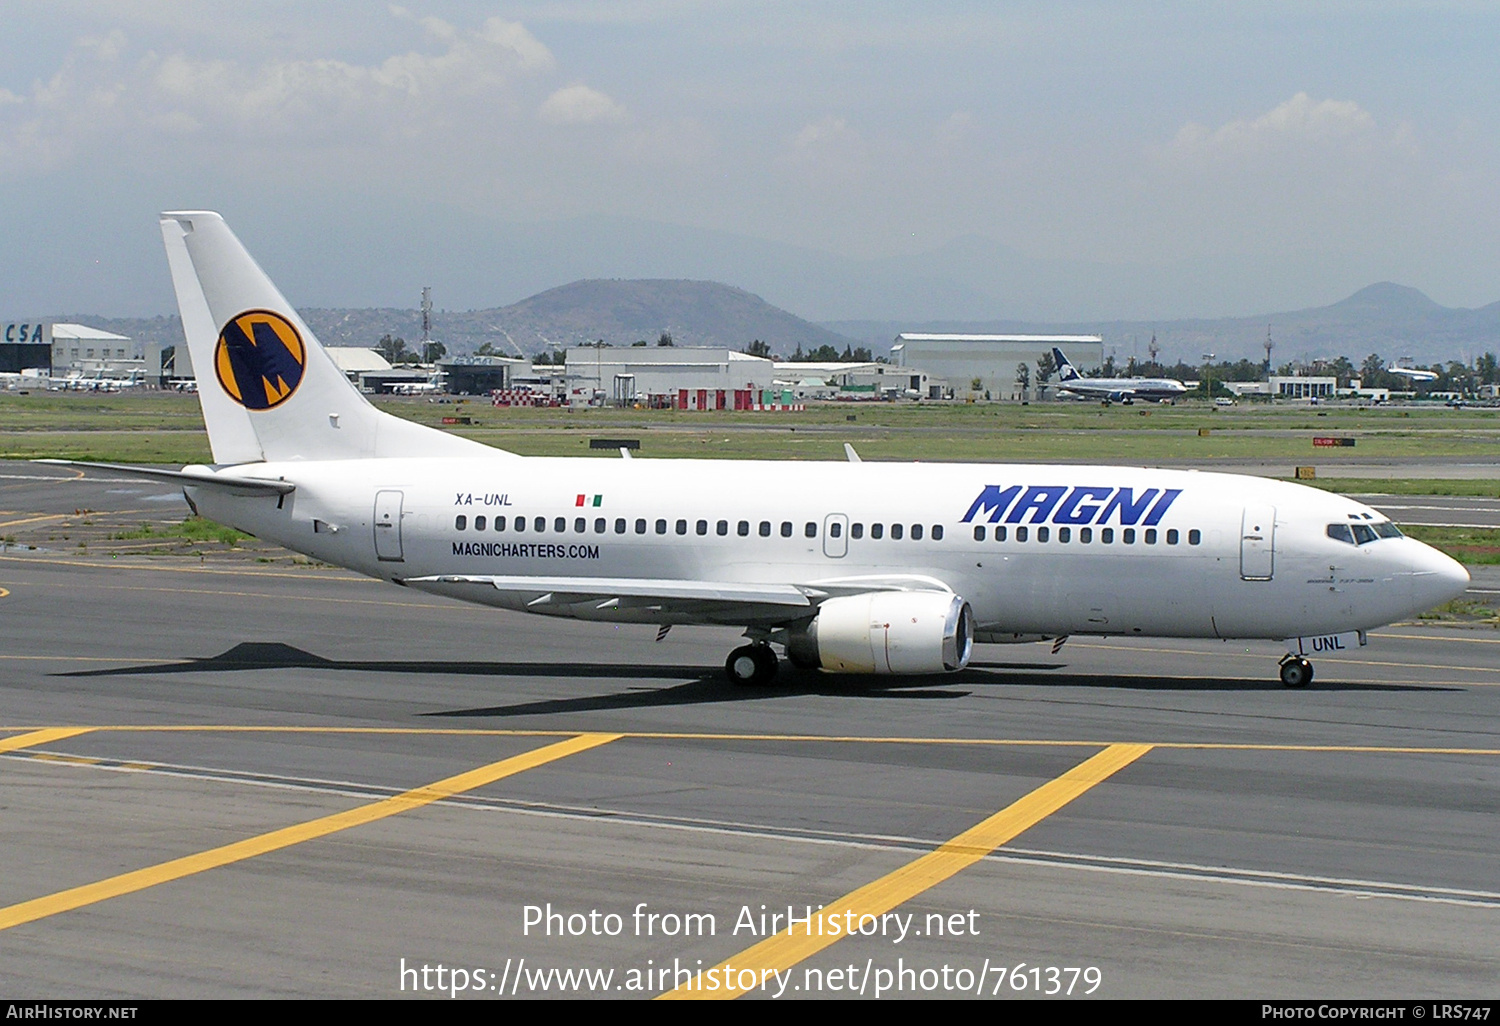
x,y
752,666
1296,672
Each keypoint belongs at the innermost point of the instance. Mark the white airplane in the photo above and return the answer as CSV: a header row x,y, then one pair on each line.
x,y
850,567
1413,374
1116,390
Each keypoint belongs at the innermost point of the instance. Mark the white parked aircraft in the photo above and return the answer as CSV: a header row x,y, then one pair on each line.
x,y
1117,390
851,567
1412,374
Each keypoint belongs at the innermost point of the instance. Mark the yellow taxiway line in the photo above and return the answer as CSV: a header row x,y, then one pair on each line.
x,y
40,737
140,879
780,952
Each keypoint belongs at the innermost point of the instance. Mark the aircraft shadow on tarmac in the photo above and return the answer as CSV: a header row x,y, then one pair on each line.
x,y
707,684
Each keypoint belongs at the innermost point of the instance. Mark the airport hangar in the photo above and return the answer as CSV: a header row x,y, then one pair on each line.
x,y
64,349
960,360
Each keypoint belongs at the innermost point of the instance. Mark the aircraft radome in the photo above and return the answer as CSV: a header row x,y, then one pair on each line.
x,y
854,567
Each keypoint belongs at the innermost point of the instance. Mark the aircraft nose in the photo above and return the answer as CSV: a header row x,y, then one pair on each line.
x,y
1436,578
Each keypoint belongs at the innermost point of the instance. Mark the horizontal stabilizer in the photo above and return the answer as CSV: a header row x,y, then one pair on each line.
x,y
196,476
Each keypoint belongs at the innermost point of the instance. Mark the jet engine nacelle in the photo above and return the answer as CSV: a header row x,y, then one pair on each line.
x,y
888,632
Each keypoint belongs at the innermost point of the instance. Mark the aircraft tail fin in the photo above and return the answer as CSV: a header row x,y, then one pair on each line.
x,y
268,389
1065,370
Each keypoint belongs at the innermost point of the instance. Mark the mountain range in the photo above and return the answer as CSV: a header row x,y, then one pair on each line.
x,y
1391,320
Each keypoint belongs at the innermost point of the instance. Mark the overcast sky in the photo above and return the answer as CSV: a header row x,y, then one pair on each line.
x,y
1298,151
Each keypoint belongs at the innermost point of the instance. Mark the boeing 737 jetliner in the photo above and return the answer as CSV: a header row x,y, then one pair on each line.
x,y
1118,390
850,567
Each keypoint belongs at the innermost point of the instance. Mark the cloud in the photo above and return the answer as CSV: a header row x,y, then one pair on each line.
x,y
1300,123
580,105
105,96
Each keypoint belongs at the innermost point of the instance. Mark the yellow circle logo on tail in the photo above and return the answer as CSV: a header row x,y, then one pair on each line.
x,y
259,359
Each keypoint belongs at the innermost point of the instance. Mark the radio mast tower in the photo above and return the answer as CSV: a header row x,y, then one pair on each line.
x,y
1269,346
426,314
1153,349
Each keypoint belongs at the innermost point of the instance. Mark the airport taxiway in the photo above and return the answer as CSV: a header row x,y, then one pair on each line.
x,y
227,778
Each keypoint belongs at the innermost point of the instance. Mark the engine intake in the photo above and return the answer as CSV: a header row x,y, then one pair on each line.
x,y
887,632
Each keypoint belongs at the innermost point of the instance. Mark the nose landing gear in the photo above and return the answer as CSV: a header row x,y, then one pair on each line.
x,y
1296,672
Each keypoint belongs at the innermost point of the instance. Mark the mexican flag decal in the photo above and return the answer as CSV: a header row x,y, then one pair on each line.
x,y
589,500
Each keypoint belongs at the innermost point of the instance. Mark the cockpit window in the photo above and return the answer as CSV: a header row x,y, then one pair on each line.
x,y
1363,534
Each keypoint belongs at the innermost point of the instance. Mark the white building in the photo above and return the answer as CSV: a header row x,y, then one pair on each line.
x,y
991,361
851,380
665,375
83,352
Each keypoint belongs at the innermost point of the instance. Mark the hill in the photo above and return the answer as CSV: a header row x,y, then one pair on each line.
x,y
696,313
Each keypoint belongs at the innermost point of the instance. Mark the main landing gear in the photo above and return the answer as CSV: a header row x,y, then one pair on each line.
x,y
752,665
1296,672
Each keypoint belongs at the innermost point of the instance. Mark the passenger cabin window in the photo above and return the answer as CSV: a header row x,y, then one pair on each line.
x,y
1172,536
1022,534
619,525
1107,535
1195,536
1043,534
835,530
661,527
580,525
560,524
1128,536
896,532
599,525
701,527
743,528
765,529
479,523
1150,536
979,532
640,525
682,527
1085,535
856,530
520,523
1000,532
460,522
786,528
937,532
916,532
877,531
810,529
540,523
722,528
499,523
1064,535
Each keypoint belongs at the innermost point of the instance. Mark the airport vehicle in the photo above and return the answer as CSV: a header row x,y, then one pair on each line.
x,y
1114,390
849,566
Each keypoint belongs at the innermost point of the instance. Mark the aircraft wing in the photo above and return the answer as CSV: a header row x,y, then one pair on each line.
x,y
674,599
572,590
